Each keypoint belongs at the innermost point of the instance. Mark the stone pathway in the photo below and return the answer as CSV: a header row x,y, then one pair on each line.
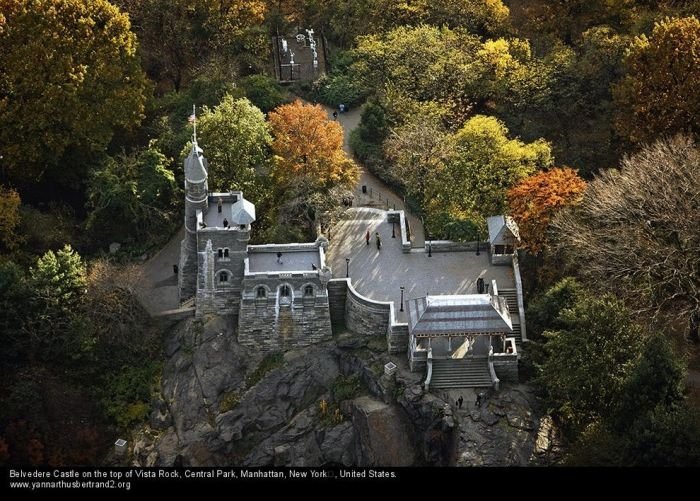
x,y
378,194
158,291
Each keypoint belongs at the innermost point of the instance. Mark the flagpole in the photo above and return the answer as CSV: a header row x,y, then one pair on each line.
x,y
194,114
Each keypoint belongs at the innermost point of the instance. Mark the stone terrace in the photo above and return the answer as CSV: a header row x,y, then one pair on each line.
x,y
379,274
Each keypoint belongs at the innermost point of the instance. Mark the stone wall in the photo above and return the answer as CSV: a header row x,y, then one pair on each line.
x,y
506,367
451,246
337,295
273,322
365,316
397,339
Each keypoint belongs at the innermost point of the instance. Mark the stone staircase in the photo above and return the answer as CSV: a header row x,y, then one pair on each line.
x,y
511,296
461,373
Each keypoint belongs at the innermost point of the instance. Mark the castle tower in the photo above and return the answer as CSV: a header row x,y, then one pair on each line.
x,y
196,193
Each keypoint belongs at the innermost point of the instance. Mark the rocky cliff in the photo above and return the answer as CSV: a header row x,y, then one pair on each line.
x,y
223,404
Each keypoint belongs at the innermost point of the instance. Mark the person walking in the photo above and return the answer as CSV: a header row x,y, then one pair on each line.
x,y
367,237
478,400
379,240
460,401
225,223
220,204
279,258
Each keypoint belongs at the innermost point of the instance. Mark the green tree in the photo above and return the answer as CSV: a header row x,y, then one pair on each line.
x,y
543,311
589,360
69,78
132,198
236,140
658,95
58,287
485,164
263,91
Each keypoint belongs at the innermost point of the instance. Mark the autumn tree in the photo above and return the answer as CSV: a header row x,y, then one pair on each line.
x,y
179,36
70,78
9,218
308,148
637,230
535,199
658,95
236,140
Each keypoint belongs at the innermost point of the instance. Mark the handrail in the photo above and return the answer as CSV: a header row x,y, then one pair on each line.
x,y
519,296
429,374
494,379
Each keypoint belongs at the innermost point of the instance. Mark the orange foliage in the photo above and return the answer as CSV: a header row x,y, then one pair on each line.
x,y
308,148
534,201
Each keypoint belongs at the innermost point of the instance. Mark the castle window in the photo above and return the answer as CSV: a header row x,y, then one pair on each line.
x,y
225,252
309,290
285,291
221,253
261,292
223,277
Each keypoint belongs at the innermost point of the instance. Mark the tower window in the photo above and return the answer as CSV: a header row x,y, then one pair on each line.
x,y
309,290
225,252
223,277
261,292
221,253
285,291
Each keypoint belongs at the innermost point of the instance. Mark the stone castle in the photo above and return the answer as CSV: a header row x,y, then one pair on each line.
x,y
284,296
278,292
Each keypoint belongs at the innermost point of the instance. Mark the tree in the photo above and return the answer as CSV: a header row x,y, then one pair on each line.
x,y
485,164
589,360
132,198
236,140
658,96
57,294
308,148
9,218
543,311
70,78
178,36
417,151
637,230
537,198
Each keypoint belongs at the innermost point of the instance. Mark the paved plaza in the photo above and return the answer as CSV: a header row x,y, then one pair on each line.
x,y
379,274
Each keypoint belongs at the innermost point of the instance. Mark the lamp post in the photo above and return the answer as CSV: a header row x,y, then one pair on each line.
x,y
393,231
347,267
430,245
477,242
402,288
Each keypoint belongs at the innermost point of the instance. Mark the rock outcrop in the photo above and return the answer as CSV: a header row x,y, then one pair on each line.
x,y
222,404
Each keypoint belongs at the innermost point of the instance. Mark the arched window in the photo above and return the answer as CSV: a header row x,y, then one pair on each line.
x,y
221,253
285,291
309,290
226,252
261,292
223,277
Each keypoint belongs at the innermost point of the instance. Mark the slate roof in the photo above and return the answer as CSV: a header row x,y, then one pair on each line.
x,y
498,224
196,165
462,314
242,212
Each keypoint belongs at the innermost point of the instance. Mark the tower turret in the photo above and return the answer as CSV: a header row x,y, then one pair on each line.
x,y
196,199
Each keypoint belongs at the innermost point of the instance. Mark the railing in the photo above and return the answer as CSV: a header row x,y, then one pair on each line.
x,y
519,294
429,374
494,379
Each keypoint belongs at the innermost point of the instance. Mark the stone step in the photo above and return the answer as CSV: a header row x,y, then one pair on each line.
x,y
461,373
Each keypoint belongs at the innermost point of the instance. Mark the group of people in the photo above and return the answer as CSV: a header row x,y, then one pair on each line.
x,y
376,237
460,401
